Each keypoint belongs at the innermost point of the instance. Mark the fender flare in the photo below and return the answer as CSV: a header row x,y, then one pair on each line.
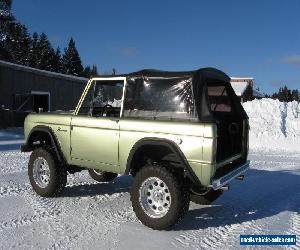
x,y
153,141
54,142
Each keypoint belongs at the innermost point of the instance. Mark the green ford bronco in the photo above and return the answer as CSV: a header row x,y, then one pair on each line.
x,y
182,136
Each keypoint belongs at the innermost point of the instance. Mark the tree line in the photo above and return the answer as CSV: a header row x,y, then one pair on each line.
x,y
285,94
18,46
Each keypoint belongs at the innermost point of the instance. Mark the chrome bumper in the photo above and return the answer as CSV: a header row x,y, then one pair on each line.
x,y
218,183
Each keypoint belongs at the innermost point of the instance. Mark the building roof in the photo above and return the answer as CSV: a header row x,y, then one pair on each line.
x,y
240,84
239,87
242,79
43,72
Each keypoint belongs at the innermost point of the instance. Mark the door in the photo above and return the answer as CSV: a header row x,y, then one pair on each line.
x,y
95,126
40,101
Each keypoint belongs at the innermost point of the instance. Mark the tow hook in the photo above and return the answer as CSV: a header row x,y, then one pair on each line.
x,y
240,177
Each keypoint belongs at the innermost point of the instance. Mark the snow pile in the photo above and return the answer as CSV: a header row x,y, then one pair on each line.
x,y
274,124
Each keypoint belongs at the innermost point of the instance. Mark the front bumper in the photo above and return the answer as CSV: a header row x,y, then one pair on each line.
x,y
222,181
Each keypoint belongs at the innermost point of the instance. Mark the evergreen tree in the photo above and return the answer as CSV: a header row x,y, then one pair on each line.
x,y
44,54
86,72
33,52
286,95
17,46
5,7
295,95
94,71
71,60
4,55
90,72
57,61
5,18
17,43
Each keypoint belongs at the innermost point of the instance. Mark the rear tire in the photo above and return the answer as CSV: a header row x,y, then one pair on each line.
x,y
159,199
102,176
207,198
47,177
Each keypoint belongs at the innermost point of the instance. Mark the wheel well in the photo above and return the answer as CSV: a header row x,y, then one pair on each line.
x,y
38,138
153,154
42,136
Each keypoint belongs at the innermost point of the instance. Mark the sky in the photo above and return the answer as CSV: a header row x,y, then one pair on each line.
x,y
259,39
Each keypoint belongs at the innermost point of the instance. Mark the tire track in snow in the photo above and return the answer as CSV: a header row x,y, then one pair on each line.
x,y
216,235
13,162
43,209
14,189
227,229
225,234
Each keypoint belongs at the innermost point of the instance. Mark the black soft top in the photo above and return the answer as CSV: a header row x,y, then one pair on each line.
x,y
207,72
200,79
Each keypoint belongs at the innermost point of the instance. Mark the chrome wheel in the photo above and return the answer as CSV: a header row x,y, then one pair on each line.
x,y
154,197
41,172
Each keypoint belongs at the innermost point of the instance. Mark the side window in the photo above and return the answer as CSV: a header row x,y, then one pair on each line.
x,y
160,98
103,99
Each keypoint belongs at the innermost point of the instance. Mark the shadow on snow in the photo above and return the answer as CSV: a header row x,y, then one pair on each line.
x,y
262,194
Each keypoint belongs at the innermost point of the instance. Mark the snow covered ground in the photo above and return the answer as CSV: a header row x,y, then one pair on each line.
x,y
90,215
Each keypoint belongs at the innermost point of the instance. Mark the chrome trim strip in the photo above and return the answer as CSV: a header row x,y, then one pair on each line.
x,y
218,183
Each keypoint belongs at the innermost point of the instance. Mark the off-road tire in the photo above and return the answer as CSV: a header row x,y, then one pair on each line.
x,y
102,176
179,197
58,173
207,198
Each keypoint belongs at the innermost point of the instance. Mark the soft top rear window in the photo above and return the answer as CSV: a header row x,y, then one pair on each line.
x,y
218,98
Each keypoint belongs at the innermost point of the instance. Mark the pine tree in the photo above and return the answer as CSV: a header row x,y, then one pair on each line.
x,y
5,7
45,54
4,54
86,72
17,46
286,95
17,43
94,71
33,52
90,72
71,60
295,95
5,18
57,61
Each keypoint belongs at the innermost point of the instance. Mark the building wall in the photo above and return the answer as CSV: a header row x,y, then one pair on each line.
x,y
64,91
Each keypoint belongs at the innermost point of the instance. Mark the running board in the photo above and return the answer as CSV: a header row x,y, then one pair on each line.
x,y
224,180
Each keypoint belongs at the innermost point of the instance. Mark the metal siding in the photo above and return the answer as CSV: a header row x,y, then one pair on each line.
x,y
64,93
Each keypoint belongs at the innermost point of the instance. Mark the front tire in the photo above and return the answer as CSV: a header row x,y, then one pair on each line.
x,y
158,198
47,177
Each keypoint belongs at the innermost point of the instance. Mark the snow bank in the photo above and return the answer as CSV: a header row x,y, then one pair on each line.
x,y
274,124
